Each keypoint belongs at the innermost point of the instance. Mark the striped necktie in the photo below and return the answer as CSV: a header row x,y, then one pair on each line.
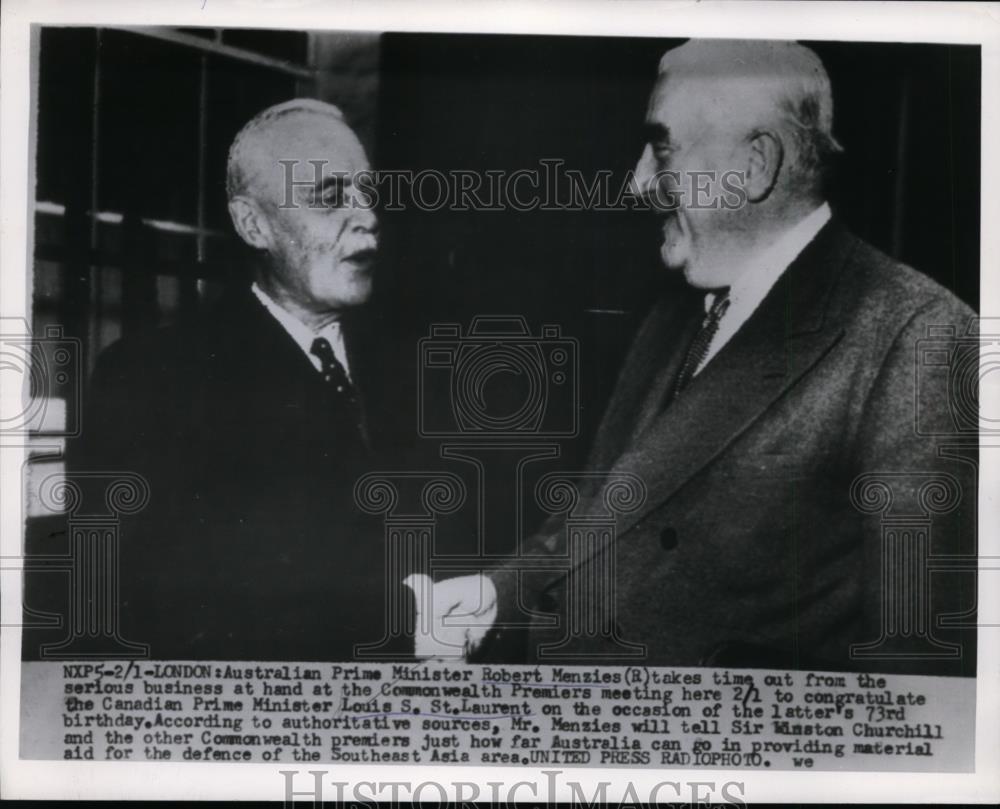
x,y
698,349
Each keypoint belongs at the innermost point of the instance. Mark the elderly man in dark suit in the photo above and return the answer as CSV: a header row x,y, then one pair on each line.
x,y
251,424
752,406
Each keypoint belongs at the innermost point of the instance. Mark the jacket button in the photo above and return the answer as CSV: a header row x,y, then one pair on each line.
x,y
668,538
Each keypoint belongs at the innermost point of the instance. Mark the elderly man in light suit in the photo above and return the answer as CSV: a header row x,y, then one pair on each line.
x,y
749,405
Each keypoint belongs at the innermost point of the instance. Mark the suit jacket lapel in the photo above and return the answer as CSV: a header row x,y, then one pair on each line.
x,y
359,343
271,343
360,340
650,367
782,341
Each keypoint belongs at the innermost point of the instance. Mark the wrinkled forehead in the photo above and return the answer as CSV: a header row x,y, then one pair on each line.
x,y
299,141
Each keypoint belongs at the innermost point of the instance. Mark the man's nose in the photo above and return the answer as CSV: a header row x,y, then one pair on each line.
x,y
644,172
364,220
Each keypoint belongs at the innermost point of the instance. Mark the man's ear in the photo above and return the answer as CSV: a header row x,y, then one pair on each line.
x,y
764,164
250,222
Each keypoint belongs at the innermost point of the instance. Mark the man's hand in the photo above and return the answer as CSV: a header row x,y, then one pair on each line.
x,y
453,616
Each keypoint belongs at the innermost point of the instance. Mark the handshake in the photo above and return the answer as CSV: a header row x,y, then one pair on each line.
x,y
453,615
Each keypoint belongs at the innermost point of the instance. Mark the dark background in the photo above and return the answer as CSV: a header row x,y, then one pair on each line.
x,y
141,126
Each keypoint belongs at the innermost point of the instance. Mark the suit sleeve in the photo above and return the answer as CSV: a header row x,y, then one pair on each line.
x,y
916,478
517,589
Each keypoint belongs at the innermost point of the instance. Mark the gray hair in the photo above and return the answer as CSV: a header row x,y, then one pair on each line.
x,y
798,82
237,173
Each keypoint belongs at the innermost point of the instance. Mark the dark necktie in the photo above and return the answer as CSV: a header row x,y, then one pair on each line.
x,y
698,349
333,372
335,377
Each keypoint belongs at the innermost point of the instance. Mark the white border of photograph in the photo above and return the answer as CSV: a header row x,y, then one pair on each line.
x,y
971,23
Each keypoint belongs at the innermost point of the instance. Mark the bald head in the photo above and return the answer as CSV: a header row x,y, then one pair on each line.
x,y
762,84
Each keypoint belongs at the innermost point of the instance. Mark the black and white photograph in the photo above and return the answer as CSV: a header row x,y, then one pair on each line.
x,y
501,402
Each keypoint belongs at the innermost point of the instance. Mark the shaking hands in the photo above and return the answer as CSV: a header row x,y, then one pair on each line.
x,y
453,615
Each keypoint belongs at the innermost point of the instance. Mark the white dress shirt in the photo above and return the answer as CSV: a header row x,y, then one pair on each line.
x,y
303,335
760,275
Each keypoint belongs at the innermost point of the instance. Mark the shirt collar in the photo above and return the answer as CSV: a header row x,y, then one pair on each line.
x,y
299,331
764,269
